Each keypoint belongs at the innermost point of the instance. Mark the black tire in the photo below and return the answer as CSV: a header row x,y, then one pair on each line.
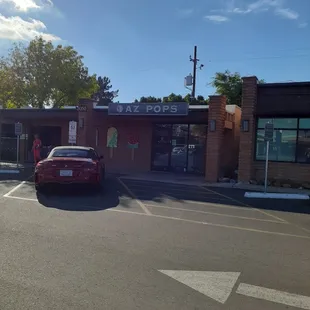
x,y
39,187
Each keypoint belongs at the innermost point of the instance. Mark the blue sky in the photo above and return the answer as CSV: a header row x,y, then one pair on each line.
x,y
144,46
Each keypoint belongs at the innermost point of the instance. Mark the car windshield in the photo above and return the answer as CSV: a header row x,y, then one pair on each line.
x,y
72,153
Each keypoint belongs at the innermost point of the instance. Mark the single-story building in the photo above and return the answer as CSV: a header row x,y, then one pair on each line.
x,y
210,140
137,137
287,107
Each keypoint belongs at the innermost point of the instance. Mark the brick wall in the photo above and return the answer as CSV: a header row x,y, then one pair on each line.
x,y
230,147
247,139
282,171
217,112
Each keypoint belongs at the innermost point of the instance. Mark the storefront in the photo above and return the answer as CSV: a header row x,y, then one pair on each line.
x,y
287,107
135,138
179,147
50,124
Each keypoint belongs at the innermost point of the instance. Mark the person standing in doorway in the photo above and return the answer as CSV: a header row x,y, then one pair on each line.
x,y
36,149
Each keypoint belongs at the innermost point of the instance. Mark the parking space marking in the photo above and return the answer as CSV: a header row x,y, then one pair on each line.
x,y
21,198
217,214
139,202
145,187
207,203
170,193
14,189
246,205
214,224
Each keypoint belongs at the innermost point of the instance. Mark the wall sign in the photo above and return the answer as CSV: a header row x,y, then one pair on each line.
x,y
133,143
180,108
18,129
72,132
112,138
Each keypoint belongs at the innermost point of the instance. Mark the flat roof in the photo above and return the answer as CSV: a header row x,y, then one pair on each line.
x,y
229,108
285,84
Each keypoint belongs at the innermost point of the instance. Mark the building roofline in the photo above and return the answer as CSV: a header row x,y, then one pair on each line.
x,y
284,84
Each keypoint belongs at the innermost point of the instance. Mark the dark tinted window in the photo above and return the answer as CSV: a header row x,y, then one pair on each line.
x,y
77,153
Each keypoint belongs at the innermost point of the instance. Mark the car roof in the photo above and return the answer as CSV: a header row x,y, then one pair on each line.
x,y
84,148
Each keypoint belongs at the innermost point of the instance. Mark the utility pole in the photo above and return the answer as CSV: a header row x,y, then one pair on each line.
x,y
195,60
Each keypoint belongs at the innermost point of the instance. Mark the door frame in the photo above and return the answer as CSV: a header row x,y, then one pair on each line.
x,y
168,167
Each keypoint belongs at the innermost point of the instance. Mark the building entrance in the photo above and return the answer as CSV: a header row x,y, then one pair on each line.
x,y
179,147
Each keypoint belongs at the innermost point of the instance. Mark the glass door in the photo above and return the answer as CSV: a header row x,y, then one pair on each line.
x,y
179,151
161,147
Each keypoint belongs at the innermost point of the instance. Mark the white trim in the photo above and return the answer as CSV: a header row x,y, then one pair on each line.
x,y
276,195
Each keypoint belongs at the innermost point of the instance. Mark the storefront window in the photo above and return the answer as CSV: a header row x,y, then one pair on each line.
x,y
179,147
283,146
303,146
197,148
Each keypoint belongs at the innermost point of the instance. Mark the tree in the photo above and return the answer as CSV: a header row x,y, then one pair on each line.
x,y
103,95
230,85
173,98
42,75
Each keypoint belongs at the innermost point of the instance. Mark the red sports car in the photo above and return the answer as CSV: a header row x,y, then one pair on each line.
x,y
70,165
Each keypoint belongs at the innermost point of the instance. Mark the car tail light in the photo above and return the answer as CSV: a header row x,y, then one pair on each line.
x,y
90,166
42,165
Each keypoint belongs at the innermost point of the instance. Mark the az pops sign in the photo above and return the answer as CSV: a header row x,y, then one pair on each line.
x,y
180,108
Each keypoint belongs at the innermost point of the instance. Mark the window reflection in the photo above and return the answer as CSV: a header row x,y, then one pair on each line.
x,y
282,148
179,147
303,148
197,148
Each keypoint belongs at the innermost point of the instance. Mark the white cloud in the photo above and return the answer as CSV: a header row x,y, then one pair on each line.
x,y
26,5
16,28
184,13
258,6
287,13
303,25
217,18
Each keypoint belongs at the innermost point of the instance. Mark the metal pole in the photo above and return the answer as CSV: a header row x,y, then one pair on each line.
x,y
17,151
266,166
194,73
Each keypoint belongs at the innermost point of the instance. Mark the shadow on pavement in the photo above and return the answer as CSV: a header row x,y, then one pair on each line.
x,y
159,192
282,205
81,198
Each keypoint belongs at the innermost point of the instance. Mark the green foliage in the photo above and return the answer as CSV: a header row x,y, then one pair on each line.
x,y
230,85
42,75
104,95
173,98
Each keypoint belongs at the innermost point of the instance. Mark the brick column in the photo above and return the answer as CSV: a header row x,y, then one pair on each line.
x,y
247,139
85,113
217,113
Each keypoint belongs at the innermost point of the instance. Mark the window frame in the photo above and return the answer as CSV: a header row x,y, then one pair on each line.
x,y
295,161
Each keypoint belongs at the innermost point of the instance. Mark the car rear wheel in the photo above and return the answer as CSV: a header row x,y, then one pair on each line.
x,y
39,187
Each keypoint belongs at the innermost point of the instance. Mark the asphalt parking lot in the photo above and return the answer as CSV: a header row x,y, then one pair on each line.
x,y
150,245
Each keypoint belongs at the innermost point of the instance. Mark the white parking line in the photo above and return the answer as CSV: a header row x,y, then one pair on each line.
x,y
246,205
145,187
139,202
217,214
213,224
21,198
14,189
209,204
